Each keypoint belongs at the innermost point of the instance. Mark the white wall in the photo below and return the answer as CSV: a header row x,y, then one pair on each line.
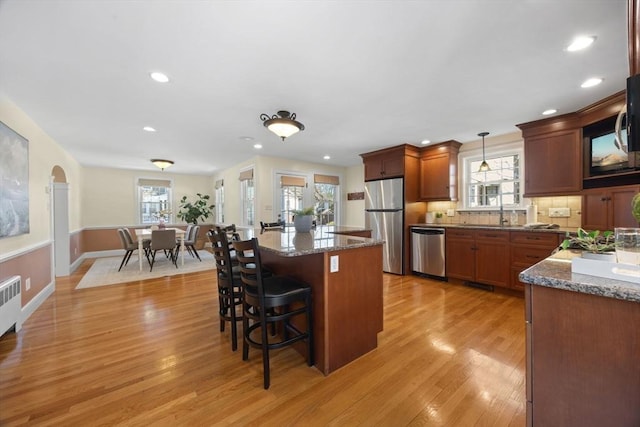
x,y
354,209
44,154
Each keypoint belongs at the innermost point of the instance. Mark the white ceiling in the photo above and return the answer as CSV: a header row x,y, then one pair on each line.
x,y
361,75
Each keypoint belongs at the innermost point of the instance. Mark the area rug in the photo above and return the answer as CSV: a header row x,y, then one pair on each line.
x,y
104,271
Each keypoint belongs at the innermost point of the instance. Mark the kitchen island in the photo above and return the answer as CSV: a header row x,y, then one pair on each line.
x,y
583,346
345,274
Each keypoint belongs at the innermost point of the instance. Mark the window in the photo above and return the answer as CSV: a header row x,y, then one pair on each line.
x,y
291,196
500,186
219,203
247,197
327,198
154,200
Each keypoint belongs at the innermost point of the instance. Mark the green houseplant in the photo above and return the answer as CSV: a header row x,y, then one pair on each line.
x,y
635,207
199,209
592,242
303,219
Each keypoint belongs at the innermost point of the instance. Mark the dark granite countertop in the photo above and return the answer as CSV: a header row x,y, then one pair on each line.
x,y
286,242
561,230
555,272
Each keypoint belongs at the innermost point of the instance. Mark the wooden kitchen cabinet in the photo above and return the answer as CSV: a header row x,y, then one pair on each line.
x,y
527,249
480,256
382,164
439,171
607,208
582,355
553,163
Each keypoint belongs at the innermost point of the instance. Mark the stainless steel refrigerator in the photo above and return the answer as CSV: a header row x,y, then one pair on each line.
x,y
384,216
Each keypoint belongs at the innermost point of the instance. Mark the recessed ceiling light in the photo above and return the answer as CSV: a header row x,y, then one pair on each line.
x,y
159,77
327,157
257,146
550,111
581,42
595,81
149,129
425,142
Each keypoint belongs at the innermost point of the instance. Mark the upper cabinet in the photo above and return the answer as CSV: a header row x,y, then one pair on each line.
x,y
552,156
439,171
391,162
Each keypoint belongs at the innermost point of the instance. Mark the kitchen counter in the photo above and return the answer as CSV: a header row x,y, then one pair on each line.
x,y
555,272
561,230
583,346
287,242
345,275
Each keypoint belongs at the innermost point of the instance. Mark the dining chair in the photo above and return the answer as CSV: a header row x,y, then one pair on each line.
x,y
163,240
190,239
271,300
128,246
229,285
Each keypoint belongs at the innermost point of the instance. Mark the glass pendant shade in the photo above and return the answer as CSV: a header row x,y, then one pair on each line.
x,y
484,166
162,164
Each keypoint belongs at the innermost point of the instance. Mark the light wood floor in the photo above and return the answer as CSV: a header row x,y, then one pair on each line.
x,y
150,353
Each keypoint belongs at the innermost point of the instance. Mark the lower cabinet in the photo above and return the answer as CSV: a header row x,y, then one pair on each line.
x,y
528,248
496,257
480,256
581,359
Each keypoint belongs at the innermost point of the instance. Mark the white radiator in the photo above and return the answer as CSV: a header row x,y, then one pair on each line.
x,y
10,305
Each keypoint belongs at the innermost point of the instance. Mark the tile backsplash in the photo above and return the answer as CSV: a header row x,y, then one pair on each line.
x,y
574,203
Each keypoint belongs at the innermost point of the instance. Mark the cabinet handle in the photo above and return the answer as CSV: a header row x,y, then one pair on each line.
x,y
532,238
603,199
532,256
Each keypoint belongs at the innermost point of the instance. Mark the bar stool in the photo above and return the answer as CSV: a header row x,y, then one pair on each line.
x,y
271,300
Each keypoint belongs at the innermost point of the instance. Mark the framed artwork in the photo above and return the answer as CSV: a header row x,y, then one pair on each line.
x,y
14,183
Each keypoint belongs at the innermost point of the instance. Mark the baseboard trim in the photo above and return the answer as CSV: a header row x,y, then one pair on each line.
x,y
37,301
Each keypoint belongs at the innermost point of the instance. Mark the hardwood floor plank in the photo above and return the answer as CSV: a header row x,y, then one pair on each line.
x,y
151,353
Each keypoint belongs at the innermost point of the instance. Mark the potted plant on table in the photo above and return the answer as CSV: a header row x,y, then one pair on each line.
x,y
198,210
303,219
594,244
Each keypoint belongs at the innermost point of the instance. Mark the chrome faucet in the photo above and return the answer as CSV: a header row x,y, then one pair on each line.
x,y
502,220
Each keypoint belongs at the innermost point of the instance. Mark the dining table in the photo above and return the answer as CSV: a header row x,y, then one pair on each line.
x,y
145,233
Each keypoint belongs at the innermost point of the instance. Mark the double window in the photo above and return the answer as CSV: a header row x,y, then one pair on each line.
x,y
294,195
154,201
499,186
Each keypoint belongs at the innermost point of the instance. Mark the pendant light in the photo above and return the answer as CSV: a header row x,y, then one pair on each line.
x,y
484,166
283,124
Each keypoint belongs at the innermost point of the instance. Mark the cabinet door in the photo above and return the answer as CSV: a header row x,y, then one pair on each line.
x,y
435,178
553,164
393,166
460,255
492,258
595,210
619,201
384,165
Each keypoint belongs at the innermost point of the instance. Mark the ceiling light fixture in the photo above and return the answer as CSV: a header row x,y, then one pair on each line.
x,y
284,124
257,146
425,142
159,77
549,112
148,129
327,157
484,166
162,164
595,81
581,42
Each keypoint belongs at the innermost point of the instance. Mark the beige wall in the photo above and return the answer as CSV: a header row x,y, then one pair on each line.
x,y
44,154
265,169
109,195
354,209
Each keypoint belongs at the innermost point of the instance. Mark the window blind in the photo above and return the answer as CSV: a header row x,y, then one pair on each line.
x,y
292,181
144,182
326,179
246,175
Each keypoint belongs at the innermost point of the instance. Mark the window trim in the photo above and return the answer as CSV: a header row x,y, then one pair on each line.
x,y
467,157
137,184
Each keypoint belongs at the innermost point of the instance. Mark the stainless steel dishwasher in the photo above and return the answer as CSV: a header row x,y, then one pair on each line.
x,y
428,252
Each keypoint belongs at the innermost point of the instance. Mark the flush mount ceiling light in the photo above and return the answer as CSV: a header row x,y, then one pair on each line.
x,y
484,166
283,124
159,77
162,164
580,43
595,81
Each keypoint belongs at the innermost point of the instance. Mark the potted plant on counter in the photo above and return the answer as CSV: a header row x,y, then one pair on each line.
x,y
594,244
192,212
303,219
635,207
